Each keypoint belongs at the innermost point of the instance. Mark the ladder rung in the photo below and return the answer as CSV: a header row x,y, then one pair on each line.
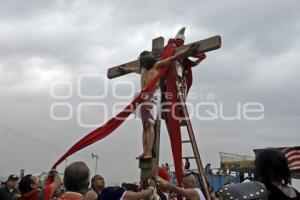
x,y
188,157
186,141
183,123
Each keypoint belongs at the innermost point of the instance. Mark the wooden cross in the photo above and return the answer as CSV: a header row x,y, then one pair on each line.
x,y
149,167
205,45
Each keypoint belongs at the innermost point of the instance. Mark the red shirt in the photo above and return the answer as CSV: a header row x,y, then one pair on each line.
x,y
34,194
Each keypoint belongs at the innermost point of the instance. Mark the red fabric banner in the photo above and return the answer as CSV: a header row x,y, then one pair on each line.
x,y
112,124
172,123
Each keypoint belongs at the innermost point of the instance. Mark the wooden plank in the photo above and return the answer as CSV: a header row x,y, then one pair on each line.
x,y
147,163
156,143
188,157
205,45
157,46
185,141
116,72
149,167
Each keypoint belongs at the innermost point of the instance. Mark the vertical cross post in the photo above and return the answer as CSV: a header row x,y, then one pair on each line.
x,y
149,167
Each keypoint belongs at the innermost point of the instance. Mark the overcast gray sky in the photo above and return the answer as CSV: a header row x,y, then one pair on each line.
x,y
46,42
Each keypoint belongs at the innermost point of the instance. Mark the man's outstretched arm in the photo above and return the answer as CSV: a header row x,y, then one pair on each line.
x,y
179,55
130,69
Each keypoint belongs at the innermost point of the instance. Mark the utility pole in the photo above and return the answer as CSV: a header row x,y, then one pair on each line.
x,y
96,157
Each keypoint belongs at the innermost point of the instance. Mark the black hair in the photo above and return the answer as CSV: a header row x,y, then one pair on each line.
x,y
76,177
25,184
93,179
272,165
144,54
147,62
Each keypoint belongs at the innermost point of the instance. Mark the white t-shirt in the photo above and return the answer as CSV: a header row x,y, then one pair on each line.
x,y
202,197
200,194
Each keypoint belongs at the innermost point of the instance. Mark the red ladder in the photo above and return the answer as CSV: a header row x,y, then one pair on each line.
x,y
192,139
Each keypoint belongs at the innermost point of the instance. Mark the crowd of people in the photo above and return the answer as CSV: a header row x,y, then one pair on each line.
x,y
272,182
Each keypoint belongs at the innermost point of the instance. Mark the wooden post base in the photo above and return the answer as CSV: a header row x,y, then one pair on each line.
x,y
148,171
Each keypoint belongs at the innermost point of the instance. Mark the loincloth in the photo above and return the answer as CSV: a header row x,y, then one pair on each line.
x,y
149,107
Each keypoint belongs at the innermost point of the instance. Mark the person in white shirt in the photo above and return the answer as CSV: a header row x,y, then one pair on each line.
x,y
189,190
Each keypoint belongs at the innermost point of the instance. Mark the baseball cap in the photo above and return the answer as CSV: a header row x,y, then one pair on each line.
x,y
13,177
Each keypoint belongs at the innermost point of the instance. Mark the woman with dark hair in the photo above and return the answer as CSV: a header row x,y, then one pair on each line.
x,y
97,185
271,168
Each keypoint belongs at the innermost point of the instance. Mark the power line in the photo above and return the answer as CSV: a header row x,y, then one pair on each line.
x,y
35,140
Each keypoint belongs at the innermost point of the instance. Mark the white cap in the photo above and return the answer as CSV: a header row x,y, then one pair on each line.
x,y
180,34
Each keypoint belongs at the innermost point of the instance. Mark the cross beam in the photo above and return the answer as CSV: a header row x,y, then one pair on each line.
x,y
205,45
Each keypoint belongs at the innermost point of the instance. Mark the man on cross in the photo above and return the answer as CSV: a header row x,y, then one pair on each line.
x,y
148,109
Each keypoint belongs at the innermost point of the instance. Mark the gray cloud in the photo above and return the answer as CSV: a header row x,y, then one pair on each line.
x,y
46,41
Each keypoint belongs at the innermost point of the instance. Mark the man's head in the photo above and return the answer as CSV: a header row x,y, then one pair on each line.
x,y
76,177
12,181
189,181
147,60
28,183
97,182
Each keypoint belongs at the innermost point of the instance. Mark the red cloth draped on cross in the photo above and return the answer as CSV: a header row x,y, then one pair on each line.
x,y
112,124
173,125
